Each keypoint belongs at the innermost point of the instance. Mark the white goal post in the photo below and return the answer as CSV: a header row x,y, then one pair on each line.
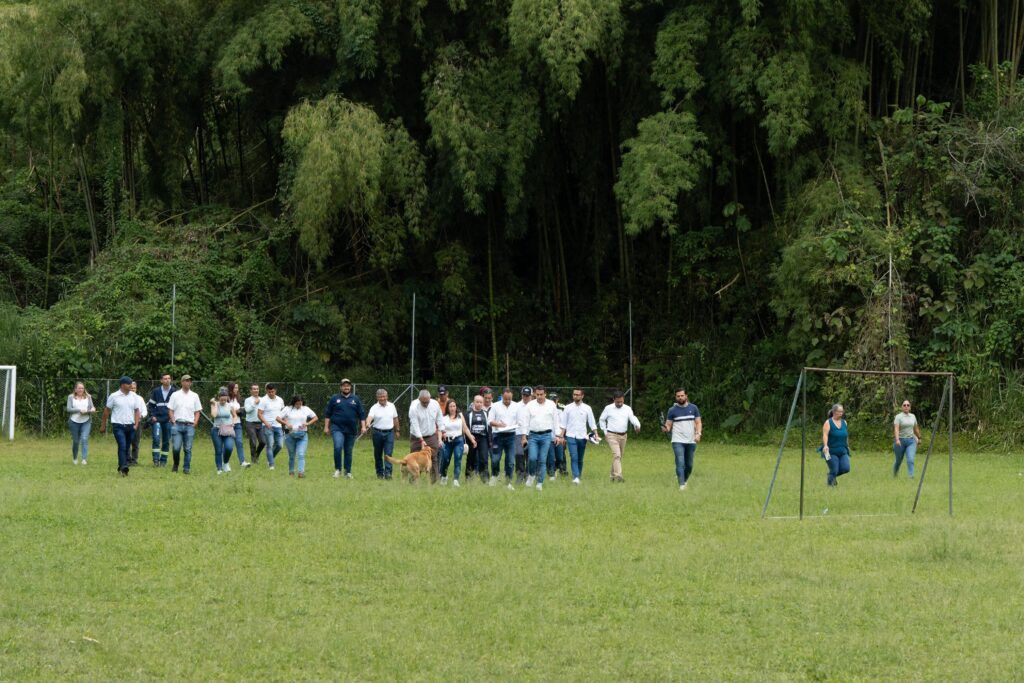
x,y
9,387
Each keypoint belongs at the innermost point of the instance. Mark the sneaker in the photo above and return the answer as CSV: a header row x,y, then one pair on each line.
x,y
455,483
493,481
219,472
540,486
185,472
337,473
84,461
348,475
510,487
576,481
246,464
444,481
291,474
74,461
529,480
302,475
682,487
553,476
270,467
227,467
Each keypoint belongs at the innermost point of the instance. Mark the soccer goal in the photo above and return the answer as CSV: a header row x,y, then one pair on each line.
x,y
9,386
945,406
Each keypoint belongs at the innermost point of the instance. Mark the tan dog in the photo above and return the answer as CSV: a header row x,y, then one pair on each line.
x,y
415,464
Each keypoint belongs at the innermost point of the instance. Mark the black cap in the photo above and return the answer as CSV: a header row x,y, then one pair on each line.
x,y
442,389
527,391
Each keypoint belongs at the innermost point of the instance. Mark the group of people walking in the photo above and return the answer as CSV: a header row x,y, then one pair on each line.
x,y
835,442
537,436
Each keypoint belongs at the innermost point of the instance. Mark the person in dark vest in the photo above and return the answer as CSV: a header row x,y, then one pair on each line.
x,y
343,421
160,421
479,454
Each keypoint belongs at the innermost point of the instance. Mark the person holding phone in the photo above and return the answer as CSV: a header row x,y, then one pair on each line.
x,y
835,444
297,418
906,435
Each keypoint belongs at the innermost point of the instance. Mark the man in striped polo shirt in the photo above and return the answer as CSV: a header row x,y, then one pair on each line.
x,y
683,421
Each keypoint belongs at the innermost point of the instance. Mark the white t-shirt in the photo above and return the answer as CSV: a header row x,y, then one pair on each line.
x,y
251,406
184,405
543,417
80,405
383,416
295,417
140,404
522,417
237,419
271,408
578,421
506,415
122,407
452,426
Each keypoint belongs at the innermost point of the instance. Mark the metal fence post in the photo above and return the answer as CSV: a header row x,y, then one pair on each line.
x,y
42,406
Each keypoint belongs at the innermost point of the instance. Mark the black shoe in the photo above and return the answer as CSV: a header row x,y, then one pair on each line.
x,y
124,472
184,471
174,469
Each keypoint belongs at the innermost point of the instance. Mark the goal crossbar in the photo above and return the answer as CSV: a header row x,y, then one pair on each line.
x,y
800,395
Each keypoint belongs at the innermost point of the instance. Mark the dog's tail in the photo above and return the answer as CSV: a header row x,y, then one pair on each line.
x,y
393,461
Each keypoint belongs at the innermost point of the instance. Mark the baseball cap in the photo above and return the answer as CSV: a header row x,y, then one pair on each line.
x,y
442,389
346,380
552,394
485,390
527,391
125,379
185,378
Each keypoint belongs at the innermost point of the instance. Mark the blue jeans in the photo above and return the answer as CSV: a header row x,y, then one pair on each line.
x,y
161,440
182,436
346,442
504,442
80,438
905,448
297,443
123,434
838,465
239,444
455,446
684,460
556,457
274,438
577,448
538,445
222,447
383,444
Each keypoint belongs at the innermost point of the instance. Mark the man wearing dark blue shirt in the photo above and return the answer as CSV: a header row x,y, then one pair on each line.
x,y
343,420
684,424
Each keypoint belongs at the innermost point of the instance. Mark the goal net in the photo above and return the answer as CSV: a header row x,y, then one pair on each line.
x,y
8,387
879,478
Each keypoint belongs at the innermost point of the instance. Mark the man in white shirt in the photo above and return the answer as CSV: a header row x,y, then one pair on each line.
x,y
615,420
252,425
579,425
542,421
425,427
183,410
382,418
268,410
123,412
504,422
522,432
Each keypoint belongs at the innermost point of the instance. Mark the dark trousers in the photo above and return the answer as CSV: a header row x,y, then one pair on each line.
x,y
123,434
343,442
254,430
478,456
838,465
133,456
383,444
521,458
577,449
504,442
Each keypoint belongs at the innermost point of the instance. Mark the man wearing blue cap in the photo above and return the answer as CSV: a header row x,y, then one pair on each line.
x,y
123,413
343,421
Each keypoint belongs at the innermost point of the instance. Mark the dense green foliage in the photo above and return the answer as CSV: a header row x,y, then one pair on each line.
x,y
257,576
829,182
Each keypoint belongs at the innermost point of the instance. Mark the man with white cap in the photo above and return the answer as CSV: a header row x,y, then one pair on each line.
x,y
183,409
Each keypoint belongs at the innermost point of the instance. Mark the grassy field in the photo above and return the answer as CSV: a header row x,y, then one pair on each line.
x,y
257,576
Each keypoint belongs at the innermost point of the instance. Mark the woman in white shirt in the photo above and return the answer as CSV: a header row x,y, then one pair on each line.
x,y
297,418
456,433
234,400
80,409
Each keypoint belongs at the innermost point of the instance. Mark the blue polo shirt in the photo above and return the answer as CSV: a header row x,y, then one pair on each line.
x,y
345,413
683,419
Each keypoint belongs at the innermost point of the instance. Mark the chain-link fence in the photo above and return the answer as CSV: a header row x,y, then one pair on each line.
x,y
41,403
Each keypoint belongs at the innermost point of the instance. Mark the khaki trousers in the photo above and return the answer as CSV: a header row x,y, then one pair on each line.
x,y
617,442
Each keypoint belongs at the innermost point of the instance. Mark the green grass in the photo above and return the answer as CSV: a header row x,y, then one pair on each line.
x,y
256,576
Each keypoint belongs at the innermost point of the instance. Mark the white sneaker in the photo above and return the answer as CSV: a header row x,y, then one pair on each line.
x,y
493,481
455,483
74,461
529,480
271,467
682,487
348,475
84,461
337,473
554,475
227,467
246,464
220,472
540,487
576,481
444,481
510,487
